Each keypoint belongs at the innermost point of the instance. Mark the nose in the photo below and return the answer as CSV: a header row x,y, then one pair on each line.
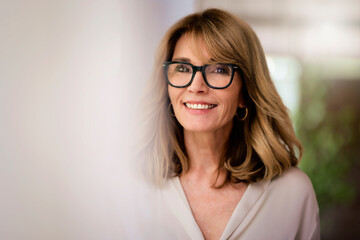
x,y
198,84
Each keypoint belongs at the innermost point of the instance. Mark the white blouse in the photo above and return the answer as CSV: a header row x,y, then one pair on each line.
x,y
283,208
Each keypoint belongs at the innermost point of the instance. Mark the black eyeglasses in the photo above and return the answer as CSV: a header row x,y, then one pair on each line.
x,y
181,74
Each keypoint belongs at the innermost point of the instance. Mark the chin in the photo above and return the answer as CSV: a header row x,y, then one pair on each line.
x,y
205,125
198,127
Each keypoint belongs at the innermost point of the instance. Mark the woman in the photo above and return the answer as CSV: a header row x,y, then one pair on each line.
x,y
223,151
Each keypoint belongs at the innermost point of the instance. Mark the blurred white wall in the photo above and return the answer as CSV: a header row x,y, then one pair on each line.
x,y
71,73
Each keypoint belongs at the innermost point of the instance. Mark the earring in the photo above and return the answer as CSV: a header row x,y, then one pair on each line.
x,y
246,113
171,110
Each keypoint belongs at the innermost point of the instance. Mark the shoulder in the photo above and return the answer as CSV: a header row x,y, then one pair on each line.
x,y
292,178
293,174
293,197
293,186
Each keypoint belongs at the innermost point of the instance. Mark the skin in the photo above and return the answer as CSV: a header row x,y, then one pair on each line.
x,y
205,133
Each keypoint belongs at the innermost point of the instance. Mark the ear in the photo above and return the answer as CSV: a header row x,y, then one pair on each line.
x,y
241,103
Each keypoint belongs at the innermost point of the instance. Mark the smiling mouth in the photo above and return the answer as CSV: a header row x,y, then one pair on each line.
x,y
200,106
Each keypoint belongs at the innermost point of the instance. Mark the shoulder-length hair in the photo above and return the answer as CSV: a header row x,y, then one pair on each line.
x,y
260,147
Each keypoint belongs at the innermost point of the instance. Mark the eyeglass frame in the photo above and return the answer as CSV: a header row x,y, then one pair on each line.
x,y
202,70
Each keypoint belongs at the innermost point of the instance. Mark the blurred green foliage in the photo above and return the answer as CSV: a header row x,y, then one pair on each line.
x,y
325,135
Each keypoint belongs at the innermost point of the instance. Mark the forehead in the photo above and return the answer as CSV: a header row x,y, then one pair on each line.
x,y
191,46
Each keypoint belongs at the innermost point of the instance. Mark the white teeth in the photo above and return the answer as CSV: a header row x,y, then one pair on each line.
x,y
199,106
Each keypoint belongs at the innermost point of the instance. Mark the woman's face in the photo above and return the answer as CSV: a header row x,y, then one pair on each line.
x,y
221,104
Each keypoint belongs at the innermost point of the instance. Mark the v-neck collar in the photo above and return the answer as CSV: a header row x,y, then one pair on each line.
x,y
246,203
176,198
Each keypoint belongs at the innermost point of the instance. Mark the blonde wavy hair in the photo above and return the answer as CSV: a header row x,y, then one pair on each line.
x,y
262,146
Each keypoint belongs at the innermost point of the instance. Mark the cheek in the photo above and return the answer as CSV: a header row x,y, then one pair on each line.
x,y
172,95
229,105
234,99
232,106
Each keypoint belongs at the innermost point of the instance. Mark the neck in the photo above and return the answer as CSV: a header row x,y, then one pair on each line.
x,y
205,150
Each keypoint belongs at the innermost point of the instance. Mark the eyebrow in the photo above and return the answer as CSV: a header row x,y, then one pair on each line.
x,y
182,59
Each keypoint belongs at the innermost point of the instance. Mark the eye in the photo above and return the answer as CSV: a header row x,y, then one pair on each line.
x,y
220,69
183,68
